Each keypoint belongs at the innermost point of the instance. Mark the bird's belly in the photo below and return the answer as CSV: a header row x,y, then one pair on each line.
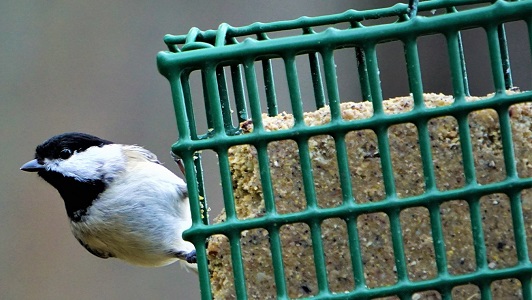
x,y
137,244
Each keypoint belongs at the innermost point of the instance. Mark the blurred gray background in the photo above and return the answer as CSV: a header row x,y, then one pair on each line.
x,y
90,66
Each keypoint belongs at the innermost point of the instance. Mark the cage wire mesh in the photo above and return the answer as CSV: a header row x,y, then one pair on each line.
x,y
225,61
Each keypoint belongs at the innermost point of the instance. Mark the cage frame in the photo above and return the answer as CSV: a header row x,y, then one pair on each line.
x,y
209,50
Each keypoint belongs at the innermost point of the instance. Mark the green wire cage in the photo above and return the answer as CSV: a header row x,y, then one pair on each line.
x,y
226,59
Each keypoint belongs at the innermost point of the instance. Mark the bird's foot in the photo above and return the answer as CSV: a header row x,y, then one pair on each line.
x,y
179,162
191,257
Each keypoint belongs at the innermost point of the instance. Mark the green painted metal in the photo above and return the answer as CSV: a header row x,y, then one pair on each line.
x,y
214,52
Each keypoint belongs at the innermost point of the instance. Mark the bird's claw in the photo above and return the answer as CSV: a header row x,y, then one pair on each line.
x,y
191,257
179,162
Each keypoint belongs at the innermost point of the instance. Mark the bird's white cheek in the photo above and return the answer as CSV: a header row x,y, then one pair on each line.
x,y
95,163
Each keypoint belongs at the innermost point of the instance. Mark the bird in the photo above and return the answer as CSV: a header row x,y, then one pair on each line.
x,y
120,200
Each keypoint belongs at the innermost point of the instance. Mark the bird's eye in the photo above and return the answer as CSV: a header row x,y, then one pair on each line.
x,y
65,153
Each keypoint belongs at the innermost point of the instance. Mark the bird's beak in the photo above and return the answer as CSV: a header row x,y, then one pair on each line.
x,y
32,166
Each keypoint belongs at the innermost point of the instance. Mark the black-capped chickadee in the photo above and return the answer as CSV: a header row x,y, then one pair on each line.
x,y
120,200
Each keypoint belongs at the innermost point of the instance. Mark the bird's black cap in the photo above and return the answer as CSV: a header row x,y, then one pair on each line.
x,y
74,141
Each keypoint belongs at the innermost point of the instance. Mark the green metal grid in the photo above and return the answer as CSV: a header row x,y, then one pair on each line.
x,y
212,50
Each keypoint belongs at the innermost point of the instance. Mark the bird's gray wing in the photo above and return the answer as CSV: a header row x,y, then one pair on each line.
x,y
100,254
